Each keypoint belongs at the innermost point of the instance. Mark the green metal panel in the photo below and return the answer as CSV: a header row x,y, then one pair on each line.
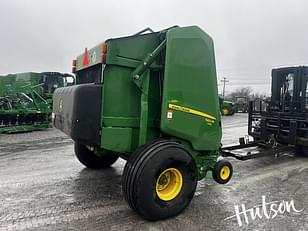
x,y
121,105
189,88
122,99
94,57
129,51
125,51
190,107
117,139
156,85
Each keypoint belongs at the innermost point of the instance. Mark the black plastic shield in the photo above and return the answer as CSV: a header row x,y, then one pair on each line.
x,y
77,112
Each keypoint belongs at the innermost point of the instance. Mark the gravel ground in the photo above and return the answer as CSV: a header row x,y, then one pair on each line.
x,y
43,187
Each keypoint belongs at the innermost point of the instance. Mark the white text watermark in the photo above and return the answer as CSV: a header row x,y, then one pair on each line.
x,y
267,210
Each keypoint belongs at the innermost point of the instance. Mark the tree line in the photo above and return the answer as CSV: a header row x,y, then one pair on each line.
x,y
246,92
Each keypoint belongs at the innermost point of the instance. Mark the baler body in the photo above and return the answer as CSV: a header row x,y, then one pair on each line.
x,y
150,99
176,96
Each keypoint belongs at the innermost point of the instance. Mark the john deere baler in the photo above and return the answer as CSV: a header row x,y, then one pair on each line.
x,y
150,98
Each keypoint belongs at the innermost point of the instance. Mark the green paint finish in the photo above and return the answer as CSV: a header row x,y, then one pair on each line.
x,y
190,81
127,122
205,160
120,94
144,114
123,102
124,105
124,51
173,67
94,57
129,51
117,139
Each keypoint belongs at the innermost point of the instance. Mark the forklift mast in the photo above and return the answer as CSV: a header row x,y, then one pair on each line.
x,y
278,124
289,90
284,118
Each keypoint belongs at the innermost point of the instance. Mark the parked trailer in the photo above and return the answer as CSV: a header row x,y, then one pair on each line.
x,y
151,99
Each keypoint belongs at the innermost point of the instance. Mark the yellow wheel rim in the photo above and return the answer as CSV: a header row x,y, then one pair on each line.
x,y
169,184
225,172
225,111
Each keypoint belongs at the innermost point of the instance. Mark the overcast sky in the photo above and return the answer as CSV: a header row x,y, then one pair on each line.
x,y
250,36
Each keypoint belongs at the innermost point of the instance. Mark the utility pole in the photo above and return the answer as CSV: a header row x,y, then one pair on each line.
x,y
224,87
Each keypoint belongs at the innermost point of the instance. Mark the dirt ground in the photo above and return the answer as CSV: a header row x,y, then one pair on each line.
x,y
44,187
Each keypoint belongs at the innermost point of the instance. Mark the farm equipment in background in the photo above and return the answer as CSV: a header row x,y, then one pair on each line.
x,y
26,99
241,104
142,98
24,110
50,81
227,107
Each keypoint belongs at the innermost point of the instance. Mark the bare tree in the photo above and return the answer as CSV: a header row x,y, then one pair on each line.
x,y
246,92
240,92
258,95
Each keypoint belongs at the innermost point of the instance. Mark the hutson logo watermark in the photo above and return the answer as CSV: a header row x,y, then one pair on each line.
x,y
266,210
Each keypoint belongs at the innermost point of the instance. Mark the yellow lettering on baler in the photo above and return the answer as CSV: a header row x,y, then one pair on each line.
x,y
192,111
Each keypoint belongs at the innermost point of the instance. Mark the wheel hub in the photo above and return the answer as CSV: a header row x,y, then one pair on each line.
x,y
169,184
225,172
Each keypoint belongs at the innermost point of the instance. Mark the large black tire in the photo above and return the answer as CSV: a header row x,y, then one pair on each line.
x,y
90,160
147,187
222,171
301,151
